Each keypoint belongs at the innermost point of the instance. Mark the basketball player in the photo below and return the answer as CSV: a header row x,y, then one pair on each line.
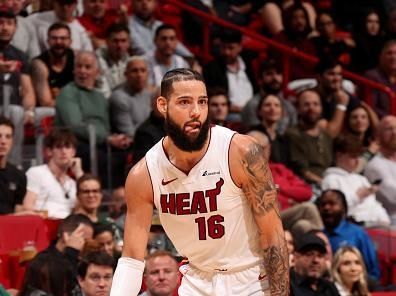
x,y
216,201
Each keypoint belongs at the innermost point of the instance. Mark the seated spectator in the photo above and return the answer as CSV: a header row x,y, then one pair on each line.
x,y
231,72
382,167
49,186
97,18
328,44
48,275
164,58
369,38
12,180
271,82
95,274
360,194
161,274
270,112
63,11
130,103
53,69
117,204
79,105
73,234
295,34
24,38
333,208
104,235
148,133
384,73
290,247
113,58
16,84
349,272
309,267
361,122
310,145
335,100
142,26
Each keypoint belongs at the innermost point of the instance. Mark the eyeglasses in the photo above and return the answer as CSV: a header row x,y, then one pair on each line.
x,y
96,277
87,191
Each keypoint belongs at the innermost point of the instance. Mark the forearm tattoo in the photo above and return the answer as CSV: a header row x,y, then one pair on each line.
x,y
260,189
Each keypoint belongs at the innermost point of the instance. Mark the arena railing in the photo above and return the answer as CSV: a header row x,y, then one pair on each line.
x,y
366,86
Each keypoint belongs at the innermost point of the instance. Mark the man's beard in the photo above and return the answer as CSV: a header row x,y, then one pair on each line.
x,y
181,140
57,53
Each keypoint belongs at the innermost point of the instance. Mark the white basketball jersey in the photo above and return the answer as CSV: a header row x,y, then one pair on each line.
x,y
204,213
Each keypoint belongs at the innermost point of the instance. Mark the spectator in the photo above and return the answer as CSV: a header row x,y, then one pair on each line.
x,y
148,133
161,274
48,275
360,194
349,272
382,167
143,25
95,274
361,122
104,235
290,247
53,69
12,180
328,44
24,38
230,72
63,11
335,100
117,203
164,58
333,208
49,187
384,73
295,34
309,267
97,18
369,38
391,24
271,82
16,84
113,58
310,145
130,103
79,105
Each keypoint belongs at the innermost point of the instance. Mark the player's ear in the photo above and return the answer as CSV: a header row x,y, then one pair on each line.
x,y
162,105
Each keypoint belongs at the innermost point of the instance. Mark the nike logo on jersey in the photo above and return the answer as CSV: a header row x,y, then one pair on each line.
x,y
167,182
261,277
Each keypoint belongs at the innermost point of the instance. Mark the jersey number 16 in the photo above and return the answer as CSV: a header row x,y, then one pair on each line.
x,y
212,227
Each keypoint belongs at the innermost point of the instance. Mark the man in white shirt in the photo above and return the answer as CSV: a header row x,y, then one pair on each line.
x,y
49,187
64,11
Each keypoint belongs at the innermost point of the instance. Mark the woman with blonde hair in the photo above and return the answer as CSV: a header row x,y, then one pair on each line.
x,y
349,272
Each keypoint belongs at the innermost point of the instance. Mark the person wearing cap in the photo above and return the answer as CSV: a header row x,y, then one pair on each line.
x,y
333,208
64,11
360,194
306,278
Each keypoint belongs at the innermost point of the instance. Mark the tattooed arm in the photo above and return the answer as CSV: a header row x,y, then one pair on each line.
x,y
250,171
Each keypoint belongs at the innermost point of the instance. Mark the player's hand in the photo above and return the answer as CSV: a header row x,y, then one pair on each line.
x,y
75,239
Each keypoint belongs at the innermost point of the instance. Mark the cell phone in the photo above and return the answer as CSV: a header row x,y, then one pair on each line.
x,y
377,182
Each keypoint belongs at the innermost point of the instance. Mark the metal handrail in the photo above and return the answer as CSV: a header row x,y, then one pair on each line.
x,y
286,50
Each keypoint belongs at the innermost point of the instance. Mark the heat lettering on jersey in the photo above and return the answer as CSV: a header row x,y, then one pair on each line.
x,y
183,204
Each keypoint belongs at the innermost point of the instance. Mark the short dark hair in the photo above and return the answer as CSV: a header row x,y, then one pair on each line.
x,y
162,28
99,228
6,12
58,26
325,64
71,222
231,36
348,144
117,28
100,258
7,122
87,177
60,137
271,64
341,197
177,75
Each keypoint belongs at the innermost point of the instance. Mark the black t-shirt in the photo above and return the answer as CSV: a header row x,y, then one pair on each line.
x,y
301,287
11,53
12,188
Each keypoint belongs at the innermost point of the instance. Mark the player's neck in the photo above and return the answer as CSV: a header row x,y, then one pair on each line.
x,y
184,160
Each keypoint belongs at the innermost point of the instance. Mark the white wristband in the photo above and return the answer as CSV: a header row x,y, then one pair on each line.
x,y
341,107
127,279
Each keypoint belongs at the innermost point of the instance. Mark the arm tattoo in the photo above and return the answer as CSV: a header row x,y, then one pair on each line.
x,y
276,261
260,189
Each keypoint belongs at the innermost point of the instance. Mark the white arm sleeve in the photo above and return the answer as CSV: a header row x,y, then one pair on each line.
x,y
127,279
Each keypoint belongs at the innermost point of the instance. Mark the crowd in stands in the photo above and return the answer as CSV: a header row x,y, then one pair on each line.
x,y
89,72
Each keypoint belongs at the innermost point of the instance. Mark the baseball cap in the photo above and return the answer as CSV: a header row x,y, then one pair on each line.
x,y
310,241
